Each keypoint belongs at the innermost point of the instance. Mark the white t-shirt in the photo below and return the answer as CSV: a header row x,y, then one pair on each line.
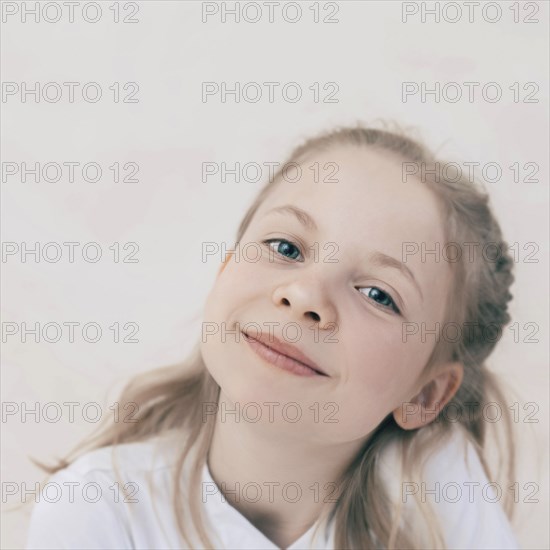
x,y
82,506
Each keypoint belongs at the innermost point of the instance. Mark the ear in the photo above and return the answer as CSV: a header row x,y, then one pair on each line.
x,y
424,407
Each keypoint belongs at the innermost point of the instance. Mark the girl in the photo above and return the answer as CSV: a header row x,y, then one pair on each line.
x,y
326,405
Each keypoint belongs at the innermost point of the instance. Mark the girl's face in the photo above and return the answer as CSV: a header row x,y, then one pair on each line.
x,y
341,292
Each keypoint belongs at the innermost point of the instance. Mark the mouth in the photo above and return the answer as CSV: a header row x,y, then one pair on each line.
x,y
271,352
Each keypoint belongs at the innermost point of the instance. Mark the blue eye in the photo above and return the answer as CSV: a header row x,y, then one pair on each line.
x,y
382,298
290,251
286,248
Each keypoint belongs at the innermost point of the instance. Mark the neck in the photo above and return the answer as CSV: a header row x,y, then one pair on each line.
x,y
275,477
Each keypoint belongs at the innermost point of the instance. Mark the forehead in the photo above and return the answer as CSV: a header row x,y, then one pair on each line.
x,y
358,194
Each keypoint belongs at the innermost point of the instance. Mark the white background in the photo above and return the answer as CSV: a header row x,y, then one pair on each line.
x,y
170,212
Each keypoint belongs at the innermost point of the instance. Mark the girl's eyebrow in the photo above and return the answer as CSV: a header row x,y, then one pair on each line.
x,y
379,258
301,215
389,261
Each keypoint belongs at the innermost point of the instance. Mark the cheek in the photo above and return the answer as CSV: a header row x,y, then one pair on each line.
x,y
226,293
380,374
225,312
216,322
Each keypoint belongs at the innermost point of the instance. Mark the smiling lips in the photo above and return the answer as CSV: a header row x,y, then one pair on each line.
x,y
283,355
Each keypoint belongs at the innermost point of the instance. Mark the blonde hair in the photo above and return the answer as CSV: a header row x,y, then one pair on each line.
x,y
171,397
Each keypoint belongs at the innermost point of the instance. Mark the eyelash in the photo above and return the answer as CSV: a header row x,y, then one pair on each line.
x,y
393,307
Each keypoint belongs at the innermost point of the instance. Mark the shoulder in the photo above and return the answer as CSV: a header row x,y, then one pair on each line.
x,y
453,484
138,458
89,503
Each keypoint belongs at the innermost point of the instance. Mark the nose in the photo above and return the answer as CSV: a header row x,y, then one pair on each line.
x,y
306,301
